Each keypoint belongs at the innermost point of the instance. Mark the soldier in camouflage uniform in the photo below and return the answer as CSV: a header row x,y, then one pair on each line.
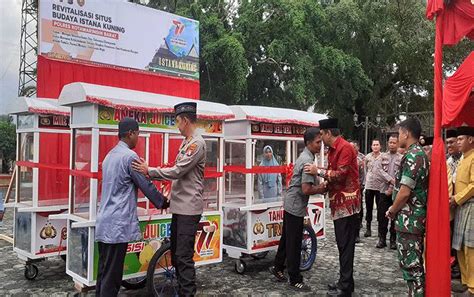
x,y
409,206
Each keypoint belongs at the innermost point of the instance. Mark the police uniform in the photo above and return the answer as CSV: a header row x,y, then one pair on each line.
x,y
410,220
186,203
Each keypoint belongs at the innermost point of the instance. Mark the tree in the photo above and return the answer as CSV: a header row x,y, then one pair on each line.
x,y
7,143
339,57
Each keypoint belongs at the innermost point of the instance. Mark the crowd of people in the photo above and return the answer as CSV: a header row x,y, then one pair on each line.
x,y
396,180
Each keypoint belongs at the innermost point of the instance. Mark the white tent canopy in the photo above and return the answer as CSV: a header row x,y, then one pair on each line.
x,y
276,115
118,98
39,106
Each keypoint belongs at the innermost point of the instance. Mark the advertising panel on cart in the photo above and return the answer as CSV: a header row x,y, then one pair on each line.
x,y
41,173
96,112
262,144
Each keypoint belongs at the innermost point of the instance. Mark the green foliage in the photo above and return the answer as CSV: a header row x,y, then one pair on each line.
x,y
339,56
7,142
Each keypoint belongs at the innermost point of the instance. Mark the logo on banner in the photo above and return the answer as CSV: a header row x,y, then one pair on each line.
x,y
179,40
204,236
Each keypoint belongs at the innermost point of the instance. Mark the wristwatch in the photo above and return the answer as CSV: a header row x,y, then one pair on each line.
x,y
321,172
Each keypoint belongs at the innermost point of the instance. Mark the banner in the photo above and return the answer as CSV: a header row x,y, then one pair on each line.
x,y
111,116
119,33
207,245
53,121
267,226
278,129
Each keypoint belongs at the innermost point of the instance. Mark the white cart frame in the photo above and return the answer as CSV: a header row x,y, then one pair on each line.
x,y
37,116
240,130
86,101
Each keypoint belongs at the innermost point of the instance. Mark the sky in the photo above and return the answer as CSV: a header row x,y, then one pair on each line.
x,y
10,19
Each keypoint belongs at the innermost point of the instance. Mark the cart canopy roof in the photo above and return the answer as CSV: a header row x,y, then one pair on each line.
x,y
276,115
39,106
125,99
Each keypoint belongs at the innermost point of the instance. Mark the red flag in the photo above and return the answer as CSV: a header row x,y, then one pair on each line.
x,y
458,21
454,20
433,7
458,96
438,271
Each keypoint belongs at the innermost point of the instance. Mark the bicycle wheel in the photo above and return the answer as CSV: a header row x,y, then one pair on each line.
x,y
309,248
161,278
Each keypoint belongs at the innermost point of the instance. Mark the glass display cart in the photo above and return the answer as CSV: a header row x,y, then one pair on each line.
x,y
41,176
261,145
96,111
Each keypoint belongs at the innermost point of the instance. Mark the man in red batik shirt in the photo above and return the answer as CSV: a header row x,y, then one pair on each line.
x,y
342,176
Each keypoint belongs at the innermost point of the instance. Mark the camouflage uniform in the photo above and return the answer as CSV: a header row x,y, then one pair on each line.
x,y
410,220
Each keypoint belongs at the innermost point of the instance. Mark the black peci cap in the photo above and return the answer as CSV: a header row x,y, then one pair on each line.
x,y
185,107
428,141
451,133
126,125
328,124
465,130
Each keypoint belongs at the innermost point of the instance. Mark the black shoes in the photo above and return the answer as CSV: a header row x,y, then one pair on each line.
x,y
368,232
278,274
332,287
302,287
339,293
393,245
381,244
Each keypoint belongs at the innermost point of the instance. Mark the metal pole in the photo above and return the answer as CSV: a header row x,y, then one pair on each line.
x,y
366,134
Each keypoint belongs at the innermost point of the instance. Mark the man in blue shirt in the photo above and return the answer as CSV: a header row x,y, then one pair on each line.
x,y
117,219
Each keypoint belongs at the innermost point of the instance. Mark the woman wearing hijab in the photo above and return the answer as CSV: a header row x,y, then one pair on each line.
x,y
269,184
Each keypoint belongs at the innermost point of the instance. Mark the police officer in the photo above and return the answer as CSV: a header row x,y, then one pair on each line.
x,y
409,206
186,202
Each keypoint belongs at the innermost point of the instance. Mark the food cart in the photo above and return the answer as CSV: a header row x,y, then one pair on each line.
x,y
96,111
41,176
252,218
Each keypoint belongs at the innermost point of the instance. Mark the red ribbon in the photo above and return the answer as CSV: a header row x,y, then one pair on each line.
x,y
285,169
41,165
209,172
88,174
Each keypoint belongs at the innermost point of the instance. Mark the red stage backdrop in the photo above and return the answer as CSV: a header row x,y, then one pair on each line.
x,y
54,74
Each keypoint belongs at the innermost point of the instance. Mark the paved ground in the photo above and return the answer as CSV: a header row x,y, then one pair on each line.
x,y
376,274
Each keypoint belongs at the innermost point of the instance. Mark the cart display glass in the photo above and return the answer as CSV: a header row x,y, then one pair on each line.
x,y
42,180
95,128
262,144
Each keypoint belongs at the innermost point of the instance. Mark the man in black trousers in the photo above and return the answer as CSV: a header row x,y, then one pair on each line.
x,y
302,185
342,175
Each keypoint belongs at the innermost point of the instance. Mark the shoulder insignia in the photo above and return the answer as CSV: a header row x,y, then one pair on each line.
x,y
191,149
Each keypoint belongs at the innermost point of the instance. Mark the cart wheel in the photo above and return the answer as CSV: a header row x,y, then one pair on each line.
x,y
161,278
240,266
64,257
31,271
134,283
259,256
309,248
